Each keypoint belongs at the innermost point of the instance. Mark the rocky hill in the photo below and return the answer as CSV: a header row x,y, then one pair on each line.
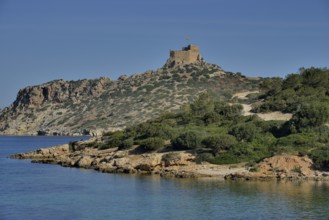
x,y
90,107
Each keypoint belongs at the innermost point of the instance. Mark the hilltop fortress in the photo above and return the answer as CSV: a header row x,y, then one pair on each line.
x,y
187,55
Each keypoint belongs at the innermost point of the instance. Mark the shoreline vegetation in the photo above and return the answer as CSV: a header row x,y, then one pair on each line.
x,y
212,137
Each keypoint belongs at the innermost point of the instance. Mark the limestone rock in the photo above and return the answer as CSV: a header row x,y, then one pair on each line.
x,y
176,159
84,162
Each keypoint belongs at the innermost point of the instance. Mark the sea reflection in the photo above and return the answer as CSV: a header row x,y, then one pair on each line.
x,y
263,199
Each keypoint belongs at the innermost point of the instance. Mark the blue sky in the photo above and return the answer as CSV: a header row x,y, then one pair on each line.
x,y
44,40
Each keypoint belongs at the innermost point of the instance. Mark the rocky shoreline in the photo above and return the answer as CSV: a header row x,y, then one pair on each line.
x,y
174,164
178,164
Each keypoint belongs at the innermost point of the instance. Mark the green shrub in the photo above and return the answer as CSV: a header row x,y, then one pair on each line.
x,y
103,146
293,92
225,158
271,86
202,105
269,126
149,129
297,140
203,157
152,144
219,143
186,141
315,77
228,111
311,115
126,144
320,158
323,133
211,117
245,131
115,139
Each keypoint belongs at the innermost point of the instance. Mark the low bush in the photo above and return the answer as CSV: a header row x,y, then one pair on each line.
x,y
297,140
245,131
152,144
219,143
211,117
126,144
203,157
150,129
228,111
312,115
103,146
115,139
186,141
320,158
225,158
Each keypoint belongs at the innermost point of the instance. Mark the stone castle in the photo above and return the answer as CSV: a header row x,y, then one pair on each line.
x,y
187,55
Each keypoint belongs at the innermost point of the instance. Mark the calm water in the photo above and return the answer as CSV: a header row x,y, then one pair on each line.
x,y
40,191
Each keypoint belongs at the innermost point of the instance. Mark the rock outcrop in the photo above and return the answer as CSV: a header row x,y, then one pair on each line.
x,y
111,161
59,91
178,164
282,167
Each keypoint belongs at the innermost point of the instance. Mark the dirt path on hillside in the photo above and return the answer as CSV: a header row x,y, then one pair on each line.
x,y
277,115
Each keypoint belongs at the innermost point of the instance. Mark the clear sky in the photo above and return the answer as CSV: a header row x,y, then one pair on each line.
x,y
43,40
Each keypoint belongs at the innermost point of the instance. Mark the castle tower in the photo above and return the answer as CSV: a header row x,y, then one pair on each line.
x,y
187,55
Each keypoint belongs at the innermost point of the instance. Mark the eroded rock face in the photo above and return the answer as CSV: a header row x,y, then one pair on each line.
x,y
43,109
283,167
59,91
286,165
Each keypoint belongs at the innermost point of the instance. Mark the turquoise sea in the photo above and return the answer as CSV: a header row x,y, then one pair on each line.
x,y
41,191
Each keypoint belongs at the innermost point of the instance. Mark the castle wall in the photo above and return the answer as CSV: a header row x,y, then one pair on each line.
x,y
187,55
184,57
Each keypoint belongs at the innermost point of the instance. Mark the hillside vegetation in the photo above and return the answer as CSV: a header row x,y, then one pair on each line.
x,y
94,106
309,87
216,131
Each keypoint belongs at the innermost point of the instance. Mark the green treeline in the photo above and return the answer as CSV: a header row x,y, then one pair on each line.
x,y
217,132
310,86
